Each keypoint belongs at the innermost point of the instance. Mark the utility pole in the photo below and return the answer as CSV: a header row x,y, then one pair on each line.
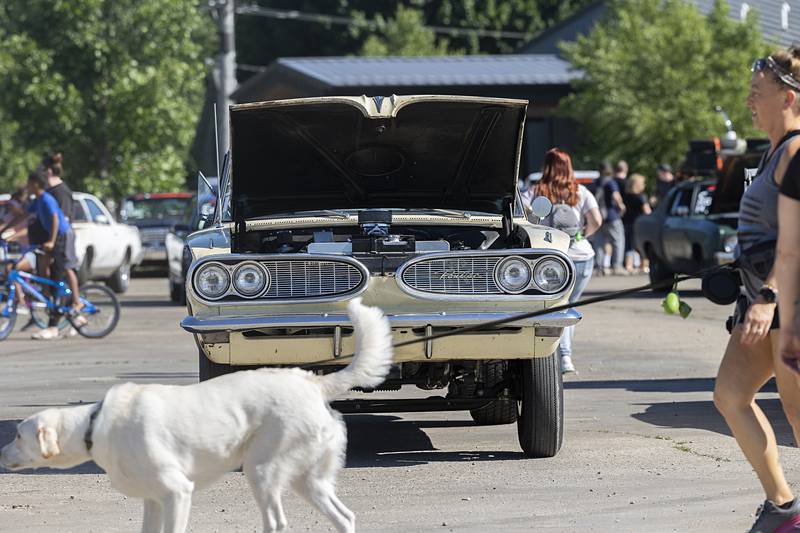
x,y
225,69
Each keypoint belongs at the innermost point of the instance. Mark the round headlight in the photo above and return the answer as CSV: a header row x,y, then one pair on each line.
x,y
550,275
212,281
249,279
729,244
513,274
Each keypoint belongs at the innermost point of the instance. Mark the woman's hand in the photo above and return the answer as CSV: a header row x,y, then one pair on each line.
x,y
49,245
790,348
757,322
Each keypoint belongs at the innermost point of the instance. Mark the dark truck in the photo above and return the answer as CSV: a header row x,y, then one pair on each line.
x,y
694,227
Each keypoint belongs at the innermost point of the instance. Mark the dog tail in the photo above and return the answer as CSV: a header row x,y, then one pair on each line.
x,y
373,356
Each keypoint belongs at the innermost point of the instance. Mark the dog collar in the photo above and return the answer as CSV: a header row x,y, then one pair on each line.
x,y
87,437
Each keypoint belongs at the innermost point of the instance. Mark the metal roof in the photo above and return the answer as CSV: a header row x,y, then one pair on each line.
x,y
532,69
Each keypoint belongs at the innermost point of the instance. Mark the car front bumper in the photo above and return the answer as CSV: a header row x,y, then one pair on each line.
x,y
303,339
723,258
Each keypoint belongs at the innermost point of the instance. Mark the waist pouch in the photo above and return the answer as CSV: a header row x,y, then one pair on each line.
x,y
758,260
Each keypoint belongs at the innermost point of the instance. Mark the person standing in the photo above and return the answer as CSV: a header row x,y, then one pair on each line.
x,y
636,205
788,265
558,184
52,219
621,174
752,355
612,231
665,181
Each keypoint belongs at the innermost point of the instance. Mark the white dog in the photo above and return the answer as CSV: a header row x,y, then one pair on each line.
x,y
161,442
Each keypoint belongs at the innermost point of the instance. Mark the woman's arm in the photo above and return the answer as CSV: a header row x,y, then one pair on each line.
x,y
593,221
787,263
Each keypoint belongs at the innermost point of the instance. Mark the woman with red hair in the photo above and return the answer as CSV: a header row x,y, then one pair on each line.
x,y
558,184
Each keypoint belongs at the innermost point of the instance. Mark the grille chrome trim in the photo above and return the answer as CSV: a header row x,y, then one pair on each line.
x,y
296,278
473,275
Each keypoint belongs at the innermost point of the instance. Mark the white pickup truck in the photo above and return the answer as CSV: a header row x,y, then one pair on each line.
x,y
106,249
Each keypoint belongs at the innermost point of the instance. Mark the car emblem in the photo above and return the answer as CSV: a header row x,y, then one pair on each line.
x,y
548,237
455,274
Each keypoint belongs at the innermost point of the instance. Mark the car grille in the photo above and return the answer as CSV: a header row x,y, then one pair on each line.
x,y
457,275
153,235
302,278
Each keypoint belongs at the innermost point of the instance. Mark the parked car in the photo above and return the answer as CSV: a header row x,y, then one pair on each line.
x,y
409,202
154,214
106,249
178,254
695,226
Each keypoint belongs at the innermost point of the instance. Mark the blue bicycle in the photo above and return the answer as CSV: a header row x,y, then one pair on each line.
x,y
97,317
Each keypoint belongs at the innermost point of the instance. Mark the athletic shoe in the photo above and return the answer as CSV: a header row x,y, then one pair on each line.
x,y
22,310
771,518
47,334
70,332
566,365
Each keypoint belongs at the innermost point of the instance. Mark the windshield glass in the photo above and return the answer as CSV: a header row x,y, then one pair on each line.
x,y
156,208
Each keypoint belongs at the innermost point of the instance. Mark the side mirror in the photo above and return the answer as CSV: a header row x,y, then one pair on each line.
x,y
541,206
101,219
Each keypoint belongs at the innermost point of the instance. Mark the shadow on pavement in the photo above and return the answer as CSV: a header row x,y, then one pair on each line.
x,y
657,385
645,294
703,415
389,441
166,302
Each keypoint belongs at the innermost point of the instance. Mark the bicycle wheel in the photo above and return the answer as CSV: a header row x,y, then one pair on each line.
x,y
100,312
8,313
41,315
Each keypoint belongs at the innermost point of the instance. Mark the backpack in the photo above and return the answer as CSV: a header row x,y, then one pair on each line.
x,y
563,218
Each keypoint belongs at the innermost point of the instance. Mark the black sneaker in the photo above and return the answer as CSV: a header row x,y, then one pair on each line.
x,y
771,518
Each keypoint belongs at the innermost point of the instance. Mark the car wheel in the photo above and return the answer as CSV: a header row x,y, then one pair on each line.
x,y
208,369
177,293
496,411
540,421
659,273
120,280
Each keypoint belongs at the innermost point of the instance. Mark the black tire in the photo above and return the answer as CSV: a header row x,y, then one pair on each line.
x,y
177,293
8,315
540,423
101,312
495,412
659,273
40,315
120,280
208,369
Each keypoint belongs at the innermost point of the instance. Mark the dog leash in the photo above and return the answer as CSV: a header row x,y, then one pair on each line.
x,y
533,314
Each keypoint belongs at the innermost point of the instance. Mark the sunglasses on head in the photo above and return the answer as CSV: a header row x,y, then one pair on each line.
x,y
759,65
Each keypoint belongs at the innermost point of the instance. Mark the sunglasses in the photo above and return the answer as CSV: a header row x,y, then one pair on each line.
x,y
759,65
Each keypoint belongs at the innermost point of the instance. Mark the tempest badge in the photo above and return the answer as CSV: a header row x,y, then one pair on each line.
x,y
548,237
454,274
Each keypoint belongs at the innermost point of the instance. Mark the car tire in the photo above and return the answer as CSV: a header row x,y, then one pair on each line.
x,y
120,280
208,369
177,293
659,273
495,412
540,421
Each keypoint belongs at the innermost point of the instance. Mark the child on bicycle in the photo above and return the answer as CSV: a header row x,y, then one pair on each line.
x,y
60,242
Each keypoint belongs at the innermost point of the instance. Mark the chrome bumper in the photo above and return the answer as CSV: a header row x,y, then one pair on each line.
x,y
191,324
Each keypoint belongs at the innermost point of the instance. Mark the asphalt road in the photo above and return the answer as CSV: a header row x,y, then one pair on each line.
x,y
644,450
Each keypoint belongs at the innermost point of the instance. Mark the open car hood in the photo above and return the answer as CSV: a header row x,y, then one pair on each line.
x,y
435,152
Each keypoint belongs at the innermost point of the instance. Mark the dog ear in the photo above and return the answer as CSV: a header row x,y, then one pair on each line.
x,y
48,442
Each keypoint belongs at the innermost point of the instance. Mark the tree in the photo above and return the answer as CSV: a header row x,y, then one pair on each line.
x,y
404,35
115,84
654,70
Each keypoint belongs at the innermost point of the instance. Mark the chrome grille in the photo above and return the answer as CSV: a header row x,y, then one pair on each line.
x,y
156,235
301,278
457,275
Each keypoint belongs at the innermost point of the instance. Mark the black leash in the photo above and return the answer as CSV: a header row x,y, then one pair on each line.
x,y
533,314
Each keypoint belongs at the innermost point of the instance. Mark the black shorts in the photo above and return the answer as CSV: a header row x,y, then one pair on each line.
x,y
740,311
63,255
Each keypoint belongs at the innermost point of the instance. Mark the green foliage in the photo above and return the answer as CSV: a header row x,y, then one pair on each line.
x,y
654,71
403,35
115,84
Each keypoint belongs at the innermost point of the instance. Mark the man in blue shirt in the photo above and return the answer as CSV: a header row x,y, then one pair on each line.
x,y
612,207
60,242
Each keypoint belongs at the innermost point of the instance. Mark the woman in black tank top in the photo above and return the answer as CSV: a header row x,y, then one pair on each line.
x,y
788,264
752,356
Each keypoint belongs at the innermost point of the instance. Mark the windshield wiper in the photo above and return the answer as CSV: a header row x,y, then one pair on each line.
x,y
457,214
341,215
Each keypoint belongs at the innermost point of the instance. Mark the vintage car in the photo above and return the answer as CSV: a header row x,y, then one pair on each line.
x,y
105,248
154,214
409,202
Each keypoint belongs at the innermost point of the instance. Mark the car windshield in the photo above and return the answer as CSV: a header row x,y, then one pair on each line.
x,y
156,208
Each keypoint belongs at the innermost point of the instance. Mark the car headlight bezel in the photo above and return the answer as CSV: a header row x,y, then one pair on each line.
x,y
729,243
254,266
503,264
543,263
196,280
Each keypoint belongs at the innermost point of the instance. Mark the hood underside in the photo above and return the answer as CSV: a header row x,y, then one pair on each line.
x,y
418,152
